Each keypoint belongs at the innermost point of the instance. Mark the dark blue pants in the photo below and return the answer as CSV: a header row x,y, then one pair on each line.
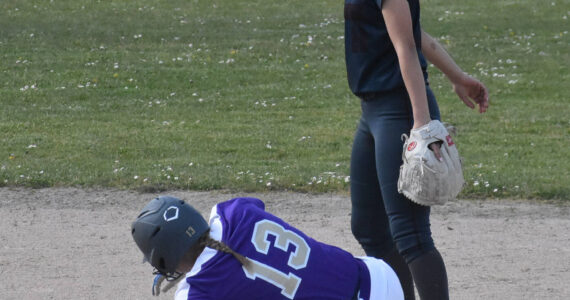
x,y
381,217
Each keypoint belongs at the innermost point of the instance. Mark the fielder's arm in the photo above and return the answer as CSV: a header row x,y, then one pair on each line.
x,y
399,25
436,54
466,87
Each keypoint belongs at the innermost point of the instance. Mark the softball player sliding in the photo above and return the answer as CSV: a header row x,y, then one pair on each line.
x,y
247,253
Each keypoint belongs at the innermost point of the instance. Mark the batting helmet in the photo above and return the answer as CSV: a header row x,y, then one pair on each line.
x,y
165,230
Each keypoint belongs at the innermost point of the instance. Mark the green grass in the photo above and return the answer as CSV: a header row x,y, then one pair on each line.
x,y
252,95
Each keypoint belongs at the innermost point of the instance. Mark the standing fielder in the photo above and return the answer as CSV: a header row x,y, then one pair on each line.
x,y
386,52
248,253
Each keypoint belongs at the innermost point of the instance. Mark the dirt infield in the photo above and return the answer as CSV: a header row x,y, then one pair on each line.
x,y
68,243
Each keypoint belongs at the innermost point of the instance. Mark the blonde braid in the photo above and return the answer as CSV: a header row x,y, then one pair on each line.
x,y
207,241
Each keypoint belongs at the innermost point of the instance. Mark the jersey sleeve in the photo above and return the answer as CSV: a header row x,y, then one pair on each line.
x,y
247,201
236,208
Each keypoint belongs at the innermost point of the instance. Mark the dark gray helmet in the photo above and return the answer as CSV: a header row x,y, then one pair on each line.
x,y
165,230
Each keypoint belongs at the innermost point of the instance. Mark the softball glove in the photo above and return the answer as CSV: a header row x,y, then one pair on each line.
x,y
423,178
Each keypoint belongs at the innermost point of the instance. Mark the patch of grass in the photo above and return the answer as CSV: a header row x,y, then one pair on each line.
x,y
518,148
252,95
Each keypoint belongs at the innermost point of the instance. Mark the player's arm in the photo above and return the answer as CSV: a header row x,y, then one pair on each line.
x,y
467,88
399,24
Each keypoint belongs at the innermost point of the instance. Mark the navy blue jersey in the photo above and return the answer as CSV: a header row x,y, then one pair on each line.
x,y
371,61
285,263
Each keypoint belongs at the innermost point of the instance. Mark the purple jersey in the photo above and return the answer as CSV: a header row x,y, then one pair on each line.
x,y
285,263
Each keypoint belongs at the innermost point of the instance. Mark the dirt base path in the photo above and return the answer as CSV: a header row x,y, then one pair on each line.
x,y
67,243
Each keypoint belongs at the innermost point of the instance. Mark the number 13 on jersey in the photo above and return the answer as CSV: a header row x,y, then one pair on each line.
x,y
288,283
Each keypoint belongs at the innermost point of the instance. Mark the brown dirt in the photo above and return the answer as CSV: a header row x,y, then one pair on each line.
x,y
65,243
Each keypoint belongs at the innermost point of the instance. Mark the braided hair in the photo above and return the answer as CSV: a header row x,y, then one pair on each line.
x,y
206,241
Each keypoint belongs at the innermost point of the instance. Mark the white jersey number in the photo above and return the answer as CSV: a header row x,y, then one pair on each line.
x,y
288,283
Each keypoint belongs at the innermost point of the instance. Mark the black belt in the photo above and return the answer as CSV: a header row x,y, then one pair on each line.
x,y
376,95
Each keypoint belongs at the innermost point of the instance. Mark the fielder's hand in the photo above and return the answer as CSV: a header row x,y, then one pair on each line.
x,y
471,91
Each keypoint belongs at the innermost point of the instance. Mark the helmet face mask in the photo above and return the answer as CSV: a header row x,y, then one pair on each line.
x,y
165,230
170,276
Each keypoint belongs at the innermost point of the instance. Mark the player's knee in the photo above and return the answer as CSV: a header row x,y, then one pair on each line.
x,y
412,252
373,245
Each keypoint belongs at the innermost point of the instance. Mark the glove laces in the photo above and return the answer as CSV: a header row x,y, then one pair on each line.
x,y
423,164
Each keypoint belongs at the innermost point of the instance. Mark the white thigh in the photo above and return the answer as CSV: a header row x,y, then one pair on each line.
x,y
384,284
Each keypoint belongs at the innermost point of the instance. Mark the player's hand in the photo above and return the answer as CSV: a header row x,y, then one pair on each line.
x,y
158,279
471,91
436,148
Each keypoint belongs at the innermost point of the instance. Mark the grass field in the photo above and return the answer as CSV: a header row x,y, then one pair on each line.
x,y
252,95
